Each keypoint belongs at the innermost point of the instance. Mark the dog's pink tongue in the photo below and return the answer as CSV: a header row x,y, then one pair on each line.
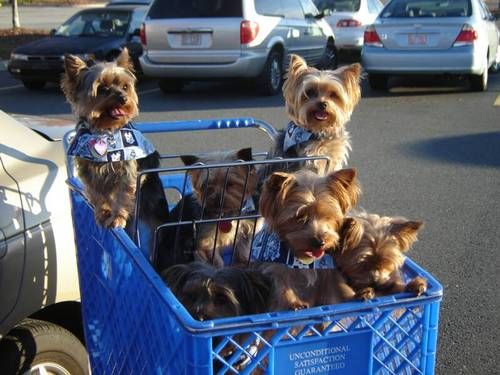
x,y
225,226
320,115
117,112
316,253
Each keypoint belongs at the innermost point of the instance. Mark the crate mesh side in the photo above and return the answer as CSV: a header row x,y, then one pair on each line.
x,y
127,331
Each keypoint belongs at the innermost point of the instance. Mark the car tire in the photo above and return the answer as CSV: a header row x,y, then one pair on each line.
x,y
170,86
270,80
35,345
378,81
329,60
34,85
480,82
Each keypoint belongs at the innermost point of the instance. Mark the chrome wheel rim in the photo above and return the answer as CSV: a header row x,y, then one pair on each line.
x,y
275,73
47,368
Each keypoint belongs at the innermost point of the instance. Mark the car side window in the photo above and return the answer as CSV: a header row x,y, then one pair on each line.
x,y
268,8
292,9
374,6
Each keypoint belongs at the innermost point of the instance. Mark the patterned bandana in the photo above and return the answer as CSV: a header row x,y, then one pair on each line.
x,y
126,143
295,135
267,247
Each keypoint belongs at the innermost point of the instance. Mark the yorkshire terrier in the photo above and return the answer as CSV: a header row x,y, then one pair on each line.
x,y
319,103
372,251
218,193
295,289
303,215
208,293
109,152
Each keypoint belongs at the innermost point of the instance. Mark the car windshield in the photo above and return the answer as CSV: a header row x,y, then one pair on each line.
x,y
102,23
338,5
427,8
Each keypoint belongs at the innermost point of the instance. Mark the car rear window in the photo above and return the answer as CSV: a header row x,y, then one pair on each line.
x,y
427,8
195,9
338,5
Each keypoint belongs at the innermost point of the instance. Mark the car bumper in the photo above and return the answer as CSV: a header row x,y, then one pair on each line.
x,y
248,65
28,71
349,37
455,60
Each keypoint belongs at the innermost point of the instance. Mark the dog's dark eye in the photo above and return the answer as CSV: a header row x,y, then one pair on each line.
x,y
311,93
125,87
102,90
333,95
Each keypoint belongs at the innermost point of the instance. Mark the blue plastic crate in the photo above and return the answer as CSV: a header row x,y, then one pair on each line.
x,y
135,325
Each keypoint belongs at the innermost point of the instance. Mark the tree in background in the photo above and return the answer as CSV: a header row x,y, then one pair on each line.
x,y
15,15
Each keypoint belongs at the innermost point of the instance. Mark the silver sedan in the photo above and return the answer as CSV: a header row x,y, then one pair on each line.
x,y
457,37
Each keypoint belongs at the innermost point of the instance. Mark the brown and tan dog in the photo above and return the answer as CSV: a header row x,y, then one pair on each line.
x,y
372,252
319,103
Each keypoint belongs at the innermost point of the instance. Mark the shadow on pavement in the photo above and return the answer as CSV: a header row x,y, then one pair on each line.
x,y
481,149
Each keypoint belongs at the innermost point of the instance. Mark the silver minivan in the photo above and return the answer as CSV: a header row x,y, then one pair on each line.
x,y
213,39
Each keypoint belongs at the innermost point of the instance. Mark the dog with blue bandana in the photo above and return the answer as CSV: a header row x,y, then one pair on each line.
x,y
319,103
108,151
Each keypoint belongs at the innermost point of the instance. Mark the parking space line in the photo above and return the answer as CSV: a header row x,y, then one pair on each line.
x,y
145,92
10,87
497,101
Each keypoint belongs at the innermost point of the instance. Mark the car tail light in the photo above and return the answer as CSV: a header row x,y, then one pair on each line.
x,y
371,37
248,31
466,37
349,23
142,34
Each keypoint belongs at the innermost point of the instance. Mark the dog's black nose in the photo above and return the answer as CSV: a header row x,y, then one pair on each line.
x,y
122,98
322,105
317,242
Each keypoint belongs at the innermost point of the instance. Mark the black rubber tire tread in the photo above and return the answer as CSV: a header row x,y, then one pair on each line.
x,y
34,85
33,341
378,81
170,86
263,81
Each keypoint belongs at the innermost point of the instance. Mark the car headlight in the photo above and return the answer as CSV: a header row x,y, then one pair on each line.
x,y
18,56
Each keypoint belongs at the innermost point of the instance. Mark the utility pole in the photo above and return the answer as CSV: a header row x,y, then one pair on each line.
x,y
15,15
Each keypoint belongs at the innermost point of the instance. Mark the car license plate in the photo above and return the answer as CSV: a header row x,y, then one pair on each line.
x,y
191,39
417,39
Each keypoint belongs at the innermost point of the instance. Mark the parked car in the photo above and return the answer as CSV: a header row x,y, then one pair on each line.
x,y
348,19
40,319
431,37
128,2
213,39
91,33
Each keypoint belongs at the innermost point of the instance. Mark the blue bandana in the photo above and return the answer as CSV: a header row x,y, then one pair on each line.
x,y
126,143
295,135
267,247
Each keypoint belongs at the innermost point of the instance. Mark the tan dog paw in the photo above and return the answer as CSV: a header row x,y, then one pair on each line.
x,y
366,293
418,286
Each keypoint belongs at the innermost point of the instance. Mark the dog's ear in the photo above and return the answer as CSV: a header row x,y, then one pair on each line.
x,y
73,65
345,187
274,192
189,159
351,233
175,277
297,65
123,60
245,154
405,232
351,76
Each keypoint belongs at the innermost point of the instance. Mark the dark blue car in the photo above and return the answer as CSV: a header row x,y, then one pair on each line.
x,y
98,33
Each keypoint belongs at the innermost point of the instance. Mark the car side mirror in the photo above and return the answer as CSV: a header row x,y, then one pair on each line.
x,y
52,32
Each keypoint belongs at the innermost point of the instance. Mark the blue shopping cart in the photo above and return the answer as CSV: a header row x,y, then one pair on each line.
x,y
134,324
